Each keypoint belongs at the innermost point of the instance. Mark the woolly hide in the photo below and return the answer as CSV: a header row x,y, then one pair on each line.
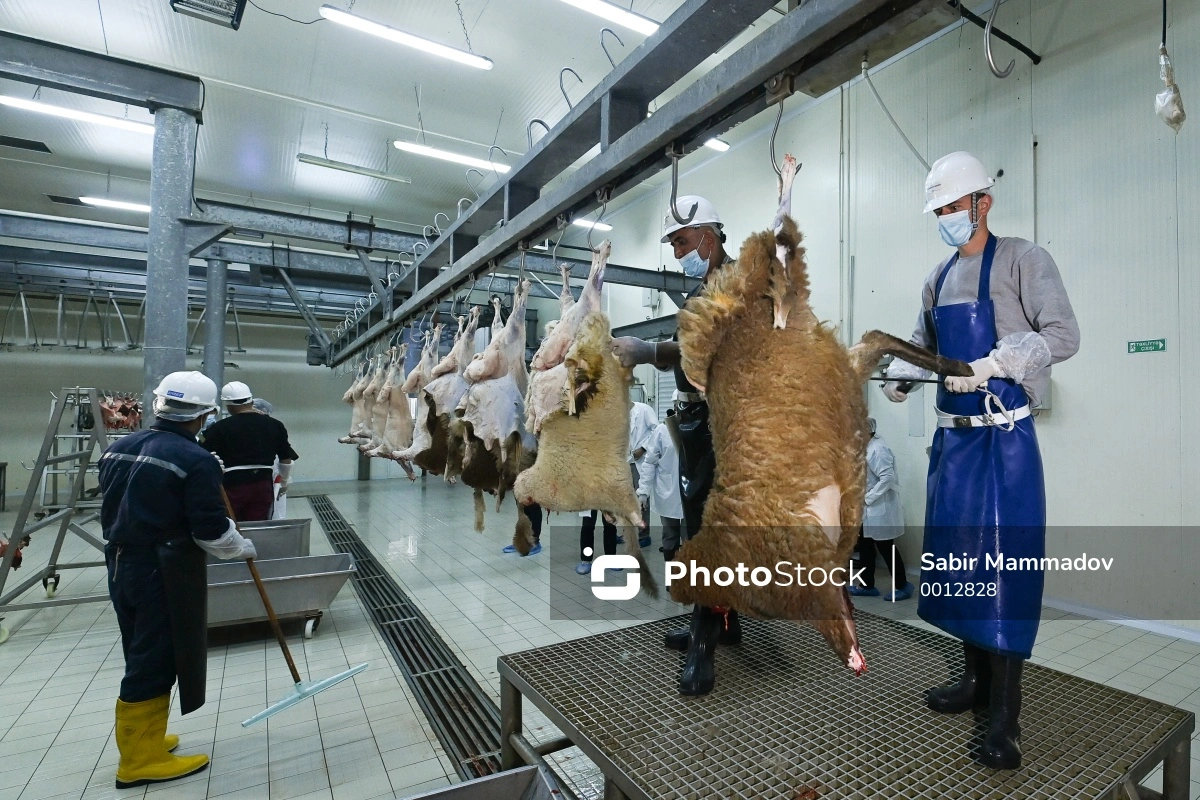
x,y
580,461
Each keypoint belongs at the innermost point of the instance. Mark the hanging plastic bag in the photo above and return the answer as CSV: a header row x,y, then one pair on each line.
x,y
1168,104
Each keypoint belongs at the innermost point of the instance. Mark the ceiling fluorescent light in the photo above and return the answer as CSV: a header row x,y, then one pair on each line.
x,y
400,37
317,161
599,226
616,14
717,144
446,155
104,202
81,116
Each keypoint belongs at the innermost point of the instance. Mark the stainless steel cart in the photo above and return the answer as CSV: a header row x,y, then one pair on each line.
x,y
299,588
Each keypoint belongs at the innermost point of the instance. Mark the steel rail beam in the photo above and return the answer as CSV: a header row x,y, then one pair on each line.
x,y
731,92
83,72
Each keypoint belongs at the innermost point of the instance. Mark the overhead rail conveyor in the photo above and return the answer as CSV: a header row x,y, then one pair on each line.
x,y
812,48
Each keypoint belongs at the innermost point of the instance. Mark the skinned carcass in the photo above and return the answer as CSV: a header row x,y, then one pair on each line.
x,y
580,404
490,417
789,427
440,397
392,404
354,397
421,438
381,403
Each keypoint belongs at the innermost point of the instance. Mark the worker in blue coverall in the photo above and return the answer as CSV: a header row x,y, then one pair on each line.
x,y
1000,304
162,512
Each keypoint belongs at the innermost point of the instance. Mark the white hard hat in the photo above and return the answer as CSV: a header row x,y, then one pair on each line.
x,y
183,396
956,175
675,396
237,393
706,214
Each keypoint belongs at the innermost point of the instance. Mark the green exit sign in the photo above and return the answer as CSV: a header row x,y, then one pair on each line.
x,y
1148,346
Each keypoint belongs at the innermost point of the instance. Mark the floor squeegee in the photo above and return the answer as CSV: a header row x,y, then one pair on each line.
x,y
303,689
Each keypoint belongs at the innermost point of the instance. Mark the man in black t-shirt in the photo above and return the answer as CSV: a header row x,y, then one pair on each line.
x,y
248,443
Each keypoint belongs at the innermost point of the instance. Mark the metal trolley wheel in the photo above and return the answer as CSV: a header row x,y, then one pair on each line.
x,y
310,625
46,581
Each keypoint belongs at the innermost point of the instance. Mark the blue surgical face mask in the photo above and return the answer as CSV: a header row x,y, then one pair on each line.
x,y
956,229
693,265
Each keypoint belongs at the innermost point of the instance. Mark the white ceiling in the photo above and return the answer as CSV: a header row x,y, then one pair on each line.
x,y
273,85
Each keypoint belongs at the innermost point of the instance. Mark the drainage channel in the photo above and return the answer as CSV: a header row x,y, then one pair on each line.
x,y
465,719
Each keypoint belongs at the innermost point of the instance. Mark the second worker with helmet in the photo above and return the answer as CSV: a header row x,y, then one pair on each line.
x,y
248,442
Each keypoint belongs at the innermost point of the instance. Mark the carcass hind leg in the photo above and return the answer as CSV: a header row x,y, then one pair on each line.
x,y
864,356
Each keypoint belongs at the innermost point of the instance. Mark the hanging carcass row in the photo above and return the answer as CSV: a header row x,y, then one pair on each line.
x,y
491,415
789,428
419,436
578,405
354,397
391,416
440,397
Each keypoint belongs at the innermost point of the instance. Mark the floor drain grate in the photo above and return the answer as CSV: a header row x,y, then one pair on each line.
x,y
465,719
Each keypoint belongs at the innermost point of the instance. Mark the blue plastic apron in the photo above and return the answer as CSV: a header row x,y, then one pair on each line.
x,y
986,496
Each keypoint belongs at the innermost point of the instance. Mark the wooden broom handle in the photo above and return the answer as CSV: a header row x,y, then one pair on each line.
x,y
262,592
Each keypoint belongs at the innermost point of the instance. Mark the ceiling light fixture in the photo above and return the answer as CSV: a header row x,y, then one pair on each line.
x,y
446,155
317,161
81,116
121,205
599,226
613,13
400,37
717,144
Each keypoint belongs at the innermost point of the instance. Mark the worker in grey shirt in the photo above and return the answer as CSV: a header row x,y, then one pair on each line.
x,y
999,304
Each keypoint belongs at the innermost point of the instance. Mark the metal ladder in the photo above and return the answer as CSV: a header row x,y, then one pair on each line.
x,y
65,517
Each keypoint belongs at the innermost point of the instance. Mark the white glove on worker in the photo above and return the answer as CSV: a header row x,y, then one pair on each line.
x,y
898,372
285,473
219,461
229,545
983,368
631,351
1020,355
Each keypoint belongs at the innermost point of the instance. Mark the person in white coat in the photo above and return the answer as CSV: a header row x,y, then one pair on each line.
x,y
883,522
660,481
642,422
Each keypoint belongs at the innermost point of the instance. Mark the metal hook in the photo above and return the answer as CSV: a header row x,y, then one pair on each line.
x,y
493,163
774,164
562,88
987,45
437,227
471,185
562,228
529,130
675,155
424,232
372,297
420,244
459,206
604,48
602,196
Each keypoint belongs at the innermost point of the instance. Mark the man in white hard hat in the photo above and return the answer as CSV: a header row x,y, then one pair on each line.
x,y
698,242
248,444
999,304
161,512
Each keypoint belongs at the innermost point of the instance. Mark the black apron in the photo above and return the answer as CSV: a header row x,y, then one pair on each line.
x,y
185,587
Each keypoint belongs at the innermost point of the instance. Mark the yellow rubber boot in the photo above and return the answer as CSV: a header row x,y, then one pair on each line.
x,y
141,738
170,742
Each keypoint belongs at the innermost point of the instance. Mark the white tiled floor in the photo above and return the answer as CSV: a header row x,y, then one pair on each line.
x,y
367,738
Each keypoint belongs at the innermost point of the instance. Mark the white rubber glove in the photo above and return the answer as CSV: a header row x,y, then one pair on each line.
x,y
230,544
643,499
285,474
900,371
983,368
219,461
631,351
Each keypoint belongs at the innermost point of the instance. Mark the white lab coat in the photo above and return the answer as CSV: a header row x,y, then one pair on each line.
x,y
883,516
659,471
642,422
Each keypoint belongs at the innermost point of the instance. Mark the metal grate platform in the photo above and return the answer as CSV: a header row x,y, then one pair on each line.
x,y
787,722
466,720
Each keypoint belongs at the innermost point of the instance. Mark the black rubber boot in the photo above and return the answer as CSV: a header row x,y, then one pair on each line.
x,y
972,689
731,635
1002,745
699,671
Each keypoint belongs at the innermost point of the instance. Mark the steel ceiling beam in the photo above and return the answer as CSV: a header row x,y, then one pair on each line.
x,y
731,92
82,72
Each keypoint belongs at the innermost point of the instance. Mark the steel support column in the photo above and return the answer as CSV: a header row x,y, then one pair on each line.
x,y
214,326
167,255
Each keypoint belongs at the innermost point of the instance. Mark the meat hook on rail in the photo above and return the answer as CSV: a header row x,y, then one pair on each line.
x,y
605,47
987,46
562,88
675,154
